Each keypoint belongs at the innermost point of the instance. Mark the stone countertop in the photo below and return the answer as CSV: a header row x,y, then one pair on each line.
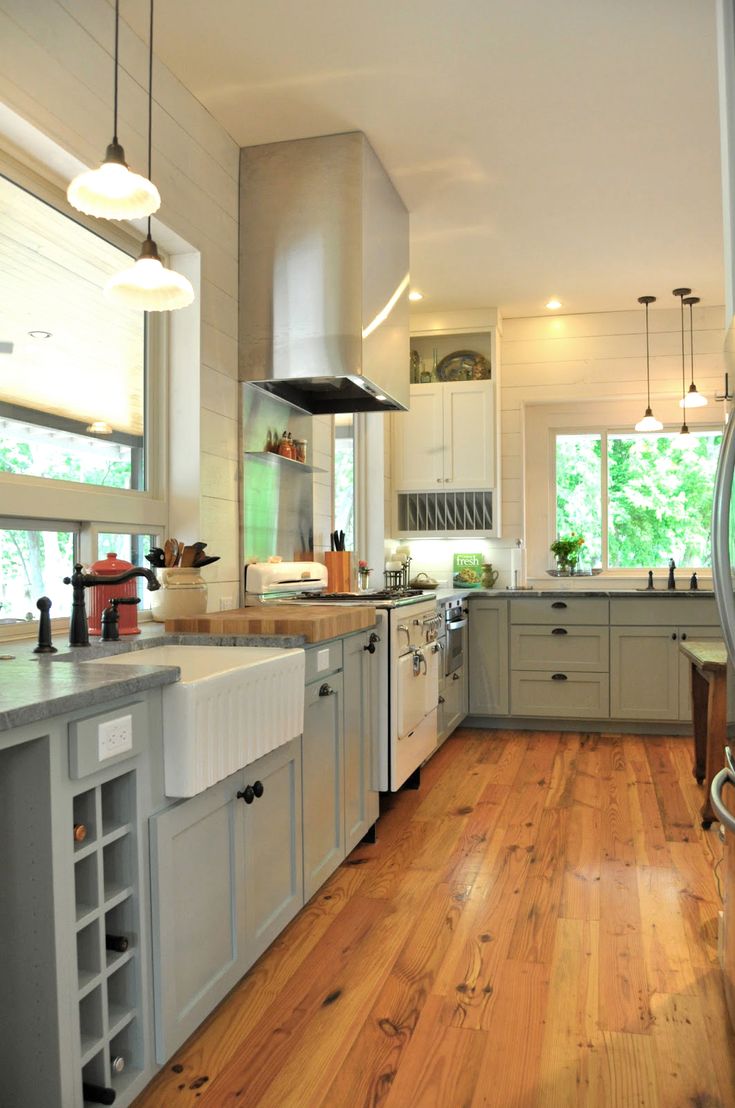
x,y
568,593
34,687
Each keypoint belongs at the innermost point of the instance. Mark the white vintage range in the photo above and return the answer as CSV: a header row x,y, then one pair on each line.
x,y
408,657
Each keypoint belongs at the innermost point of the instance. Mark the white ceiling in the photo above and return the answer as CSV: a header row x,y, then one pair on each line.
x,y
566,148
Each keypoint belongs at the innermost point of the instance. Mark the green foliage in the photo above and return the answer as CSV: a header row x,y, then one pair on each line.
x,y
659,498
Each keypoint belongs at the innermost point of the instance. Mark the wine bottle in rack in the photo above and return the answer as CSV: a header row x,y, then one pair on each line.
x,y
80,832
117,1062
97,1094
120,943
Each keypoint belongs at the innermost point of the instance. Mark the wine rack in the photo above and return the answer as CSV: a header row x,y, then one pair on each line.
x,y
107,902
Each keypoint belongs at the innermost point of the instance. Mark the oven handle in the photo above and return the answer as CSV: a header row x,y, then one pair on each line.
x,y
456,625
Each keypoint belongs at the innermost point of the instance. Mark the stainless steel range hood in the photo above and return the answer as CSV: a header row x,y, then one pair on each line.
x,y
323,276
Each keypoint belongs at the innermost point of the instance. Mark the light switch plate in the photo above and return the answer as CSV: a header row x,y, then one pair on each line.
x,y
114,737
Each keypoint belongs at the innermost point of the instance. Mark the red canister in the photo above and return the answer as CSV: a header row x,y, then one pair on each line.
x,y
99,596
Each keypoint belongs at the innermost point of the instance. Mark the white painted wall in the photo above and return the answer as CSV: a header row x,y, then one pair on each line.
x,y
573,360
56,75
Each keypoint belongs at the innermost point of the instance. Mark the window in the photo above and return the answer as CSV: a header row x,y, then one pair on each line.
x,y
72,380
637,499
82,398
344,477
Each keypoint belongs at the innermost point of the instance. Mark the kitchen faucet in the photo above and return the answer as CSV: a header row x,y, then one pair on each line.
x,y
671,582
78,628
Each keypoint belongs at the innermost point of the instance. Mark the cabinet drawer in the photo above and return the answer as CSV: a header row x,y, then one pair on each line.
x,y
579,649
559,610
321,660
559,695
660,611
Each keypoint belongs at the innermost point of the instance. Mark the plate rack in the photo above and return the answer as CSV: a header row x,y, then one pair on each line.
x,y
107,902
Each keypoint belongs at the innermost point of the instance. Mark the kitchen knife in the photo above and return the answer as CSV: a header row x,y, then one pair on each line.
x,y
331,540
341,541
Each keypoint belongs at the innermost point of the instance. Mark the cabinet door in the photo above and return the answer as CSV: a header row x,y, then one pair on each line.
x,y
323,784
488,668
198,909
469,435
644,673
418,441
454,708
272,847
360,720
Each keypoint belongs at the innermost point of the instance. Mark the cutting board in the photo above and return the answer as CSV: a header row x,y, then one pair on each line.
x,y
316,622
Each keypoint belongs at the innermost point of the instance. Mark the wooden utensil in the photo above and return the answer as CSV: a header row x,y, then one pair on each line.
x,y
170,552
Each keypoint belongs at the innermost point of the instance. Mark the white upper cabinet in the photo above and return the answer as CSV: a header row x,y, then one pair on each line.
x,y
419,440
447,438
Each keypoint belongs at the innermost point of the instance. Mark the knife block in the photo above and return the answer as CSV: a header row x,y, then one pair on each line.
x,y
339,570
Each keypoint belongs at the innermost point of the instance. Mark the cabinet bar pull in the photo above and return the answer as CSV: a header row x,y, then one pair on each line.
x,y
558,677
559,631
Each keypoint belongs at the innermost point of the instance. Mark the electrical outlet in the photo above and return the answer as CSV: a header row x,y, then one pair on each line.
x,y
114,737
225,603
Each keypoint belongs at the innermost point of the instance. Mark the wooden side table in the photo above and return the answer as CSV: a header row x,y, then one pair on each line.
x,y
709,713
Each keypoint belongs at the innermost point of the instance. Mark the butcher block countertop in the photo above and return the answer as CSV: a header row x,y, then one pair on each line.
x,y
316,622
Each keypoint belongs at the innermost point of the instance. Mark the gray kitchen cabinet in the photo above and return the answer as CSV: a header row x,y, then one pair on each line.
x,y
644,673
226,878
361,707
452,702
488,657
69,1002
323,780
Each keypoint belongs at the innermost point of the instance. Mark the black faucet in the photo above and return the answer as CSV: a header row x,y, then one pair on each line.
x,y
671,584
78,628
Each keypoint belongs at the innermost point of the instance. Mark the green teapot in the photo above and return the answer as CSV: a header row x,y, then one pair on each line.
x,y
489,576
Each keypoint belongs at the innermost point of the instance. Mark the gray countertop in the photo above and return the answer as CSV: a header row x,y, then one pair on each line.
x,y
34,687
655,594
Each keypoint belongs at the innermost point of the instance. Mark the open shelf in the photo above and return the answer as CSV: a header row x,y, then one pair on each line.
x,y
278,459
118,803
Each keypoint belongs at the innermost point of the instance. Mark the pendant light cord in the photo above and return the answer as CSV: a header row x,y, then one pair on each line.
x,y
683,357
150,103
691,338
648,365
114,92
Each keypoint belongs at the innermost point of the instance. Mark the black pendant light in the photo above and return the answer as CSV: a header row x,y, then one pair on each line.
x,y
649,421
693,398
113,191
685,439
149,284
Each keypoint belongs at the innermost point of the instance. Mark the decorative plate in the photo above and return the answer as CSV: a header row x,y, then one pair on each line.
x,y
464,365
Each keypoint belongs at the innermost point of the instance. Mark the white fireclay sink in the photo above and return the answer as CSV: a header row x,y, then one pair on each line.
x,y
231,705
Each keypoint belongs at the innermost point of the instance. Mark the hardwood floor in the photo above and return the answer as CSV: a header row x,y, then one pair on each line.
x,y
536,926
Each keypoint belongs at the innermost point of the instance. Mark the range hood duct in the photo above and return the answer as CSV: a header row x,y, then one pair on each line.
x,y
323,276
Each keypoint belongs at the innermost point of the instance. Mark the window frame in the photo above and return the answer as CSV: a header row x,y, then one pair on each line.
x,y
48,503
543,421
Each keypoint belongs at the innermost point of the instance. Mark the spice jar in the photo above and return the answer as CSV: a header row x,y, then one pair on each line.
x,y
285,447
299,450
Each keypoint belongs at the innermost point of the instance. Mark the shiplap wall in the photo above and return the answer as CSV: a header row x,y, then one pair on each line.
x,y
597,357
56,73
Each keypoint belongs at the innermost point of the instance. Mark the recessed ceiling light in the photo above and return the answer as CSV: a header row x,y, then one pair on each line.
x,y
39,334
553,303
414,294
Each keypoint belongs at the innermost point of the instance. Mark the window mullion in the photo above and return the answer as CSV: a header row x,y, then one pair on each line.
x,y
603,499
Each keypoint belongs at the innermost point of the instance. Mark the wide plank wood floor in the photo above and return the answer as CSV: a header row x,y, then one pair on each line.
x,y
536,926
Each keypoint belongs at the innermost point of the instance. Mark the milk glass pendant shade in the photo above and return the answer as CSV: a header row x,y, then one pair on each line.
x,y
148,284
113,191
649,421
693,398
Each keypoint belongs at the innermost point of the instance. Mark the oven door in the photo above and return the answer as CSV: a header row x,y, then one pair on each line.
x,y
417,696
453,656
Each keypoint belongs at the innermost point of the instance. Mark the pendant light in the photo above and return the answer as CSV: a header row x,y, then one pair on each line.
x,y
148,284
113,191
685,440
693,398
649,421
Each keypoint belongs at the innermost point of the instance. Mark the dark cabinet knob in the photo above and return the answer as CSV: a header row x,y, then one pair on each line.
x,y
441,699
247,794
673,635
455,677
258,789
326,690
370,647
683,636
